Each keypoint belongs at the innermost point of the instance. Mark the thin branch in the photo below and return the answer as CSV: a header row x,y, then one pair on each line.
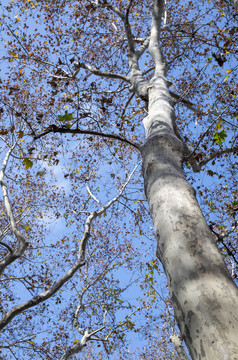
x,y
20,217
221,240
126,105
111,7
87,287
120,192
228,232
16,37
165,13
59,69
191,106
216,113
217,154
64,130
98,72
202,135
93,196
187,103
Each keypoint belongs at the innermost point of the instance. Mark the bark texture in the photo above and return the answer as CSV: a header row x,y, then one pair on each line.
x,y
235,3
204,297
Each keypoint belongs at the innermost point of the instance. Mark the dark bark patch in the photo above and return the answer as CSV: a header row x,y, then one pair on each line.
x,y
187,334
202,349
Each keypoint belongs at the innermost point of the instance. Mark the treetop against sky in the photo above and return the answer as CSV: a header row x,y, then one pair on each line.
x,y
78,249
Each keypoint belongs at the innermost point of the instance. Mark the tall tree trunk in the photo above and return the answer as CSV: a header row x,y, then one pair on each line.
x,y
204,297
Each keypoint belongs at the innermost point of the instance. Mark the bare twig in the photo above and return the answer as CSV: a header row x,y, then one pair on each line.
x,y
220,238
202,135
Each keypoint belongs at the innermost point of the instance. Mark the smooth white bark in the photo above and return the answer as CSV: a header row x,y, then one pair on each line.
x,y
204,297
235,3
21,241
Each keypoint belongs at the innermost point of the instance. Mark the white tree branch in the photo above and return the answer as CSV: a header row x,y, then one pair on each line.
x,y
138,82
21,241
142,48
154,48
93,196
176,340
69,274
98,72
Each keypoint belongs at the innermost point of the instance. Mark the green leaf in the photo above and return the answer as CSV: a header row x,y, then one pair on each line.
x,y
28,163
41,173
65,117
219,125
219,137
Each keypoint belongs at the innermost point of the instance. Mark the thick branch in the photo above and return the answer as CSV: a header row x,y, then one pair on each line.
x,y
77,348
138,82
50,292
22,243
176,340
82,343
69,274
6,246
64,130
154,48
142,48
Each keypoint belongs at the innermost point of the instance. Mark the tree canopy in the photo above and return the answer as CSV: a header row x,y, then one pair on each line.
x,y
77,245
